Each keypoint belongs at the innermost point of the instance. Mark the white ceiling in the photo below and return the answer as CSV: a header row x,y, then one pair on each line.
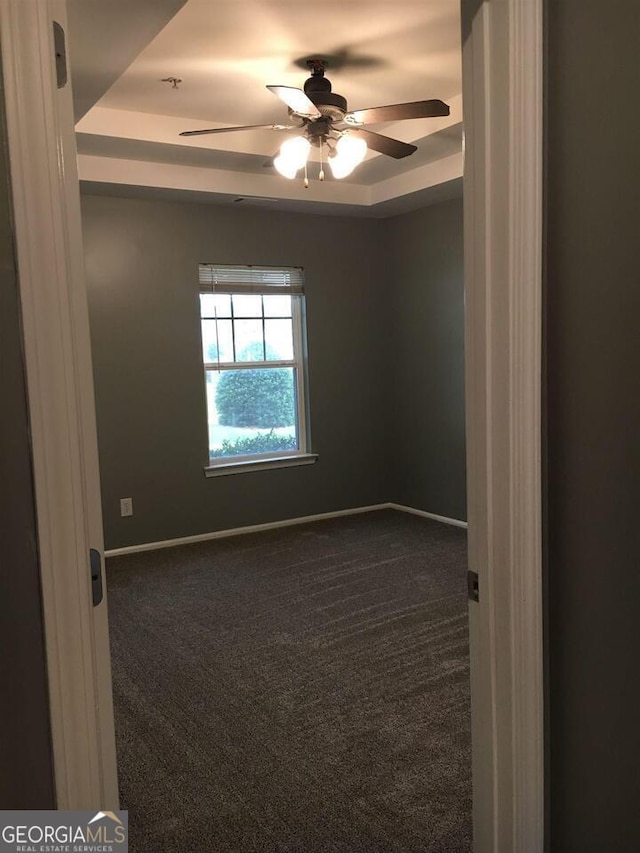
x,y
226,52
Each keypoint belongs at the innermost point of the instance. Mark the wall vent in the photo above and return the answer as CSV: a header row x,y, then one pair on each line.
x,y
254,200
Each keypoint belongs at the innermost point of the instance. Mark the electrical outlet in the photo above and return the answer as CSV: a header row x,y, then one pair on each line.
x,y
126,507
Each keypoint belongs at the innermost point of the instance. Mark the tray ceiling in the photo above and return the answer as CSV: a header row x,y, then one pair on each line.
x,y
225,53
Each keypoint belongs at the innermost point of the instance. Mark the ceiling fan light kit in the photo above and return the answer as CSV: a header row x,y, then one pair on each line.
x,y
323,119
294,153
350,151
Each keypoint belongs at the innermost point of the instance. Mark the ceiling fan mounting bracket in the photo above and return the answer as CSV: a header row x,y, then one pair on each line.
x,y
317,66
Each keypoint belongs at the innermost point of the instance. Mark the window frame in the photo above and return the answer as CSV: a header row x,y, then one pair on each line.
x,y
252,285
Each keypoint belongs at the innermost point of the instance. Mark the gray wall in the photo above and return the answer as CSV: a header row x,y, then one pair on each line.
x,y
26,770
141,260
593,423
427,447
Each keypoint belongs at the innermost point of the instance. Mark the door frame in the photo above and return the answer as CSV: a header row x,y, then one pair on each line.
x,y
503,225
502,87
55,327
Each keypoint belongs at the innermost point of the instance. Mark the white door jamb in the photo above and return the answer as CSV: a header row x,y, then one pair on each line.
x,y
49,260
502,74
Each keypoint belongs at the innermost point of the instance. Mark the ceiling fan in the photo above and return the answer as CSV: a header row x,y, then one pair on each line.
x,y
321,119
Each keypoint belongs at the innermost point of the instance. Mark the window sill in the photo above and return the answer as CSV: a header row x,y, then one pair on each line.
x,y
222,469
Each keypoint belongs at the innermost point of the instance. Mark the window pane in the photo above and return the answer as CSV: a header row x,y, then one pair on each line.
x,y
252,412
211,385
247,306
225,340
277,306
209,341
279,339
249,341
215,305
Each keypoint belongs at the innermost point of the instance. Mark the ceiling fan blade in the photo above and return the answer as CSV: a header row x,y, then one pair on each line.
x,y
396,112
296,100
384,144
244,127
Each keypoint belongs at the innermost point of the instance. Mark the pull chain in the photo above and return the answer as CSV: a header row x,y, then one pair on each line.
x,y
321,175
306,178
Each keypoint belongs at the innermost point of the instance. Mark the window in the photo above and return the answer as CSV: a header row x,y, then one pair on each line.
x,y
252,321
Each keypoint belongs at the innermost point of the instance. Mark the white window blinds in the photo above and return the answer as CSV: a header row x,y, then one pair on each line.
x,y
222,278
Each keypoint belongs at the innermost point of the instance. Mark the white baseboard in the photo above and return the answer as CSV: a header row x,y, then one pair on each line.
x,y
455,522
288,522
237,531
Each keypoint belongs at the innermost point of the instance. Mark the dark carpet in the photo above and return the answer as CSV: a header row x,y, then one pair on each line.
x,y
302,689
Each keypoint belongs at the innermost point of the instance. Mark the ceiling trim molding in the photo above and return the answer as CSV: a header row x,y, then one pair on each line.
x,y
167,176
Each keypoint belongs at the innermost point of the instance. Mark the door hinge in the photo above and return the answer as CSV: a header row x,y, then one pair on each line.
x,y
95,563
60,51
473,586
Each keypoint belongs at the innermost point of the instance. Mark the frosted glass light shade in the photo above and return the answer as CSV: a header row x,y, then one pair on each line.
x,y
286,169
350,151
293,155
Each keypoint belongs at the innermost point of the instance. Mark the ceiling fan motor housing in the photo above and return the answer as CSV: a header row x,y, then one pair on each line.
x,y
330,104
318,89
